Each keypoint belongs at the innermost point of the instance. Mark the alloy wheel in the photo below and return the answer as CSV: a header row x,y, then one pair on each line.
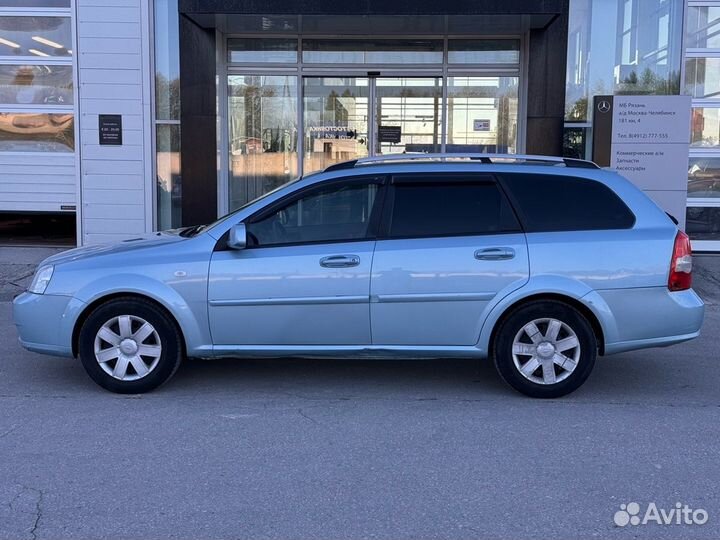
x,y
127,347
546,351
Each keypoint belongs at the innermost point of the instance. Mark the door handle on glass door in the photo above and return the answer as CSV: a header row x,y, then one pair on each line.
x,y
495,254
340,261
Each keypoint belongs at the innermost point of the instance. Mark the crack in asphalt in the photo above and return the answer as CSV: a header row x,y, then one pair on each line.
x,y
38,511
307,417
9,431
38,514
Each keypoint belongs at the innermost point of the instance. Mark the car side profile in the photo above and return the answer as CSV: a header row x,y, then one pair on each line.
x,y
539,263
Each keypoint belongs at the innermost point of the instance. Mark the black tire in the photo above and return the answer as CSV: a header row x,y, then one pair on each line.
x,y
167,334
568,380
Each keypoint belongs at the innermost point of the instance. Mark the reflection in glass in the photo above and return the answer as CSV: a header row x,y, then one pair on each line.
x,y
265,50
36,132
703,27
36,85
415,106
167,61
169,181
336,120
575,141
484,51
262,113
358,51
704,177
35,36
702,77
705,131
702,223
482,114
635,46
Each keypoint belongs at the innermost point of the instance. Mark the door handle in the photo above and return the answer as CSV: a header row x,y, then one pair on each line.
x,y
340,261
495,254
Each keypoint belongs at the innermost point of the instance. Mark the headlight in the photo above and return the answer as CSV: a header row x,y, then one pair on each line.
x,y
41,280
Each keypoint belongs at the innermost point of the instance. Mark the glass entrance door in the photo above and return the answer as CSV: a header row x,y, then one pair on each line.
x,y
353,117
335,117
408,114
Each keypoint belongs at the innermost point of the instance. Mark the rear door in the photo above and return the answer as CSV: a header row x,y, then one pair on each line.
x,y
450,244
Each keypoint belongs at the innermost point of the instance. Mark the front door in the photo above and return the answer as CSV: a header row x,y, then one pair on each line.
x,y
451,245
304,278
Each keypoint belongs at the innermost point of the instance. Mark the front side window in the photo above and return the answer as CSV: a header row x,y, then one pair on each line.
x,y
448,207
339,212
564,203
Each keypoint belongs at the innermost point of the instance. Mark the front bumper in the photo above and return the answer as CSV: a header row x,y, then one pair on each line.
x,y
45,322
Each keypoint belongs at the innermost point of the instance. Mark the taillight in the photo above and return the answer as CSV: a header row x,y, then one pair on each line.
x,y
681,264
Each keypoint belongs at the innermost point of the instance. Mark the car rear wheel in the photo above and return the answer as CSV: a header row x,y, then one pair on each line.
x,y
129,346
545,349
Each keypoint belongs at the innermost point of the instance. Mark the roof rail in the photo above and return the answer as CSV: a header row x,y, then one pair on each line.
x,y
483,158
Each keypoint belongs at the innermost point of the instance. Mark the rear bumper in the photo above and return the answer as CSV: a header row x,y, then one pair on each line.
x,y
651,317
43,323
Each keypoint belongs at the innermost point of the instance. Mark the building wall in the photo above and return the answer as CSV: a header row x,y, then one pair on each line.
x,y
114,74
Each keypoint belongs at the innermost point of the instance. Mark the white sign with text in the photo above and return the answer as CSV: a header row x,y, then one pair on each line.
x,y
650,141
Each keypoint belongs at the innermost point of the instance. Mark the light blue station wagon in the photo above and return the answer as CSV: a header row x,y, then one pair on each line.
x,y
538,263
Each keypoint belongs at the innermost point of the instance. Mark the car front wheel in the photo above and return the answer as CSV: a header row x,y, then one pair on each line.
x,y
545,349
129,346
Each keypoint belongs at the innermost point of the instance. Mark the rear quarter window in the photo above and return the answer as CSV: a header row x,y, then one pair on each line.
x,y
565,203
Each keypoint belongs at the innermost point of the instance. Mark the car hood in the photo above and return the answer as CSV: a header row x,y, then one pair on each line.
x,y
132,244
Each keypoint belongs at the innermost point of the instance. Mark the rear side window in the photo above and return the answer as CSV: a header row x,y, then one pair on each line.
x,y
432,206
565,203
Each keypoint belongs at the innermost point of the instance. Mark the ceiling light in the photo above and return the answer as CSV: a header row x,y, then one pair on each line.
x,y
9,43
39,53
47,42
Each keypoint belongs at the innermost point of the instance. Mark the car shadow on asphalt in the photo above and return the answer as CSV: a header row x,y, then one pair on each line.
x,y
637,376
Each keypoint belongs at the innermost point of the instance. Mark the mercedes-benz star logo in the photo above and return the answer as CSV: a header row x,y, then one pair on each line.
x,y
604,106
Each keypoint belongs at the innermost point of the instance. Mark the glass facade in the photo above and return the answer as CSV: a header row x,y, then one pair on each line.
x,y
263,134
343,117
167,116
621,47
483,114
702,82
336,123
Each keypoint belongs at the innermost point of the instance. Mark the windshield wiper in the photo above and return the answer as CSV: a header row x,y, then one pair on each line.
x,y
192,231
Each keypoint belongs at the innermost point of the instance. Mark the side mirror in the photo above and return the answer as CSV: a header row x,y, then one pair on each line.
x,y
238,237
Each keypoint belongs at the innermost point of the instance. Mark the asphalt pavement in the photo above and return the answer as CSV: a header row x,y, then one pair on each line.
x,y
337,449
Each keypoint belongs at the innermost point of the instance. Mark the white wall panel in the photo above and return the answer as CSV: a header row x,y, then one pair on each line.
x,y
36,182
114,77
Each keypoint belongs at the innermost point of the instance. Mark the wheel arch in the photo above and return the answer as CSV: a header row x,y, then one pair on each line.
x,y
97,302
574,302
